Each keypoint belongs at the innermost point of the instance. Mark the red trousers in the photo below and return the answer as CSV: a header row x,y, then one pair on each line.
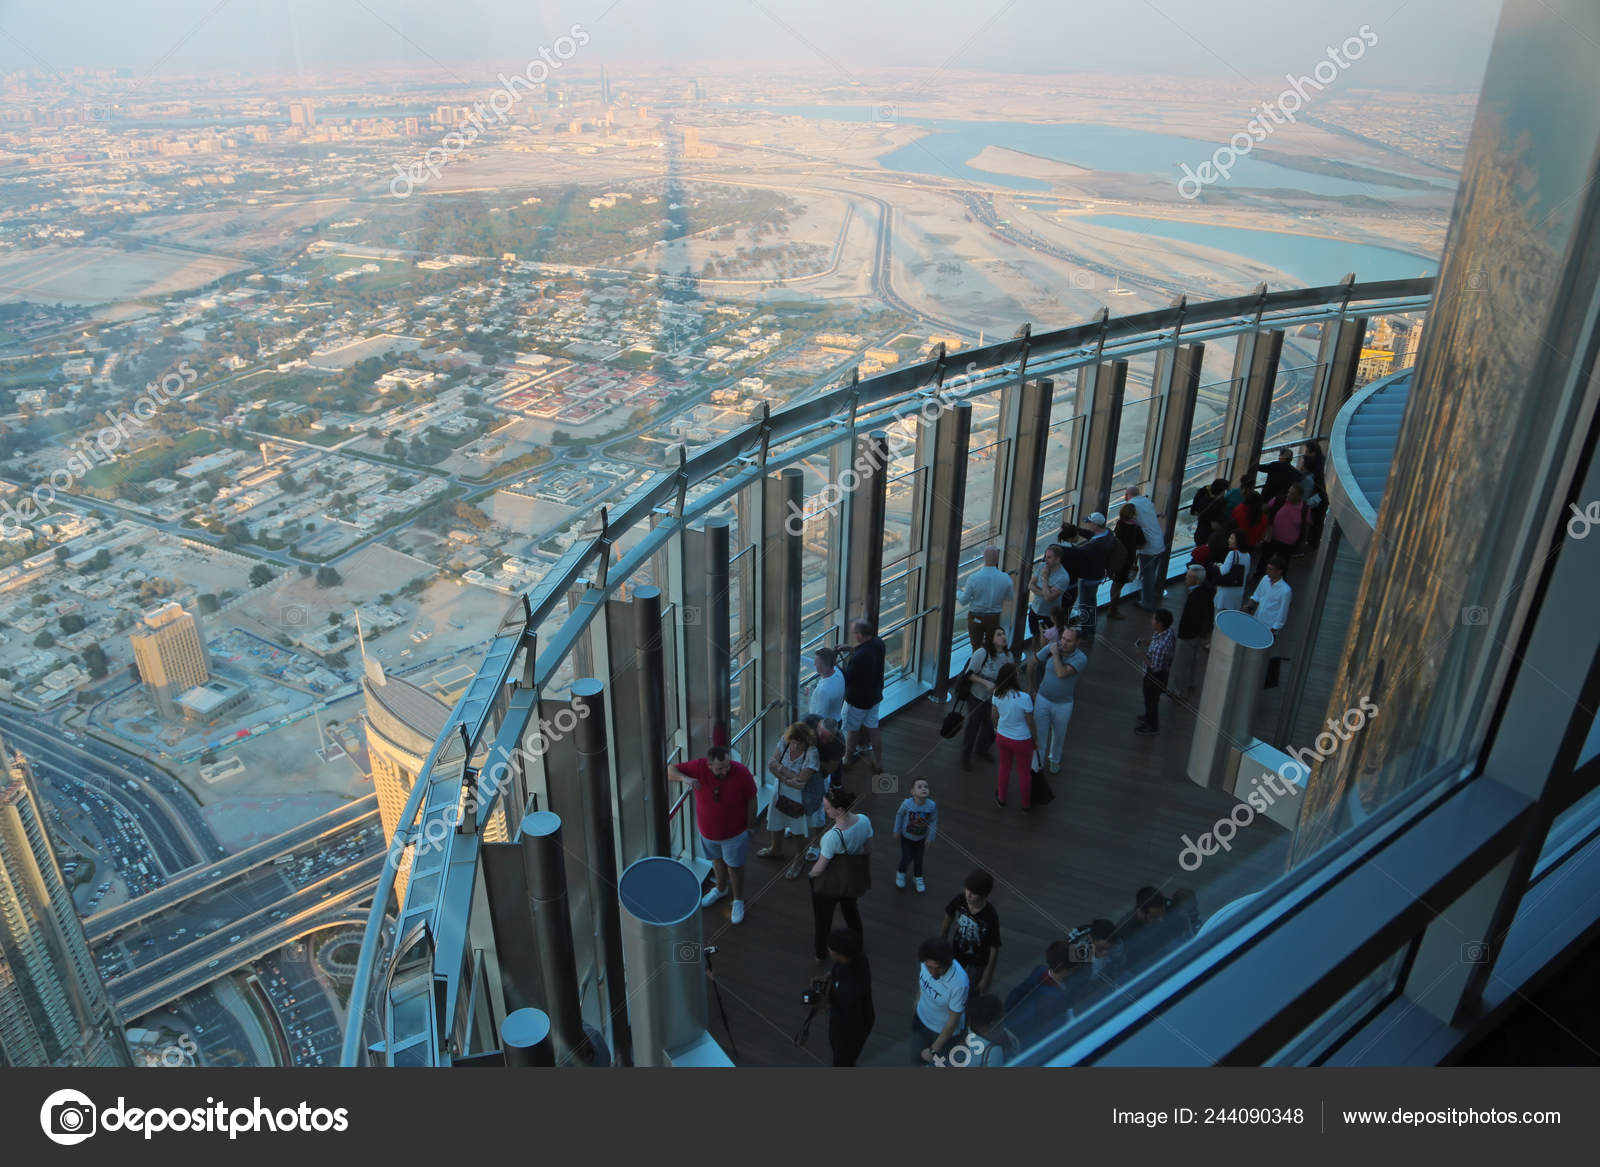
x,y
1019,754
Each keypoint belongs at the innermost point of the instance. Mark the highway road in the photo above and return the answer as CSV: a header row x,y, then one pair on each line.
x,y
185,966
320,833
166,813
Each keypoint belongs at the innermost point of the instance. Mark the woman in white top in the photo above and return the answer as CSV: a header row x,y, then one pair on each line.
x,y
1012,711
794,765
983,666
1232,572
848,833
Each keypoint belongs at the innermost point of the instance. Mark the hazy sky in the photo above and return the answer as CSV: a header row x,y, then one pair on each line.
x,y
1422,44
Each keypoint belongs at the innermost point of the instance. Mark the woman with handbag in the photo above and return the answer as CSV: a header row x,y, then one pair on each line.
x,y
1231,573
796,767
843,873
982,668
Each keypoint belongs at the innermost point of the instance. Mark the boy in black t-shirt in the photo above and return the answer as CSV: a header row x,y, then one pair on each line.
x,y
976,930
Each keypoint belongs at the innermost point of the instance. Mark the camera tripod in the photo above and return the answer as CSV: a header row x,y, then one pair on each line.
x,y
708,951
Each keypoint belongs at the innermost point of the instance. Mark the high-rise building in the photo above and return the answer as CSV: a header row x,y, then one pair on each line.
x,y
54,1009
170,654
402,723
413,127
605,87
303,114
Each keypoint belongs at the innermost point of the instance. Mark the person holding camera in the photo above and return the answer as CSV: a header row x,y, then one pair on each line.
x,y
1049,584
842,873
977,685
848,997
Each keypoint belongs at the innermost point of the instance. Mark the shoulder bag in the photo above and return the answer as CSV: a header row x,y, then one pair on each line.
x,y
847,875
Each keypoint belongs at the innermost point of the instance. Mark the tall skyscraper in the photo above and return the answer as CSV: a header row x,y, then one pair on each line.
x,y
605,87
54,1009
171,655
303,114
402,723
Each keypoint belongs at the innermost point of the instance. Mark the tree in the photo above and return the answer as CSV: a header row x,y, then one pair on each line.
x,y
327,577
208,603
43,640
208,758
61,554
94,659
305,570
335,619
72,622
260,574
336,660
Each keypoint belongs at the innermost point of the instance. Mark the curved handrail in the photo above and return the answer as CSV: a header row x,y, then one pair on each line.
x,y
1077,344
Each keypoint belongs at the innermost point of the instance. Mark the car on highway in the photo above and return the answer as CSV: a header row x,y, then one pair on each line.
x,y
214,964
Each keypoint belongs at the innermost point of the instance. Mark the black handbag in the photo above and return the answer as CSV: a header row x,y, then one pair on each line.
x,y
1041,792
847,875
952,724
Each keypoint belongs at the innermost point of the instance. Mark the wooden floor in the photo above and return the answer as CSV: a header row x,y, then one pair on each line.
x,y
1122,803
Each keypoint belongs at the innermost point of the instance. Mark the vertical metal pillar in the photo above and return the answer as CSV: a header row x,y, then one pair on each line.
x,y
783,497
594,780
1338,359
544,860
718,625
1307,610
1240,646
1024,486
525,1040
707,648
1100,391
1255,375
653,717
1176,422
661,931
944,503
865,510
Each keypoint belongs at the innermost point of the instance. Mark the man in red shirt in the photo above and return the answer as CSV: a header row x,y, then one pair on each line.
x,y
724,812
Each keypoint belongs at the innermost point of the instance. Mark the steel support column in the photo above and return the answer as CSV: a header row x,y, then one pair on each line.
x,y
783,497
707,634
1024,485
661,932
945,497
1240,646
1255,375
1174,424
1338,359
544,861
1100,392
653,717
594,780
865,508
525,1040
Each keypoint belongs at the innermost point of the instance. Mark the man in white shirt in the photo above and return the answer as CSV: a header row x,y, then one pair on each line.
x,y
1153,553
1269,603
942,988
827,699
987,593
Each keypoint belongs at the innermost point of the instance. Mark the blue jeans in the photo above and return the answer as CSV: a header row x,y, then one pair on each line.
x,y
1088,597
1150,580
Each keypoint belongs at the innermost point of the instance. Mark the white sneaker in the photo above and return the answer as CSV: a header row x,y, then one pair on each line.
x,y
711,897
738,911
899,879
1055,767
921,886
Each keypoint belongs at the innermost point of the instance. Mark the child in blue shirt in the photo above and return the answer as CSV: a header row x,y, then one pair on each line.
x,y
915,824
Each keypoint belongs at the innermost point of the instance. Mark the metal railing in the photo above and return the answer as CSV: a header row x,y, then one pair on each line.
x,y
659,512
